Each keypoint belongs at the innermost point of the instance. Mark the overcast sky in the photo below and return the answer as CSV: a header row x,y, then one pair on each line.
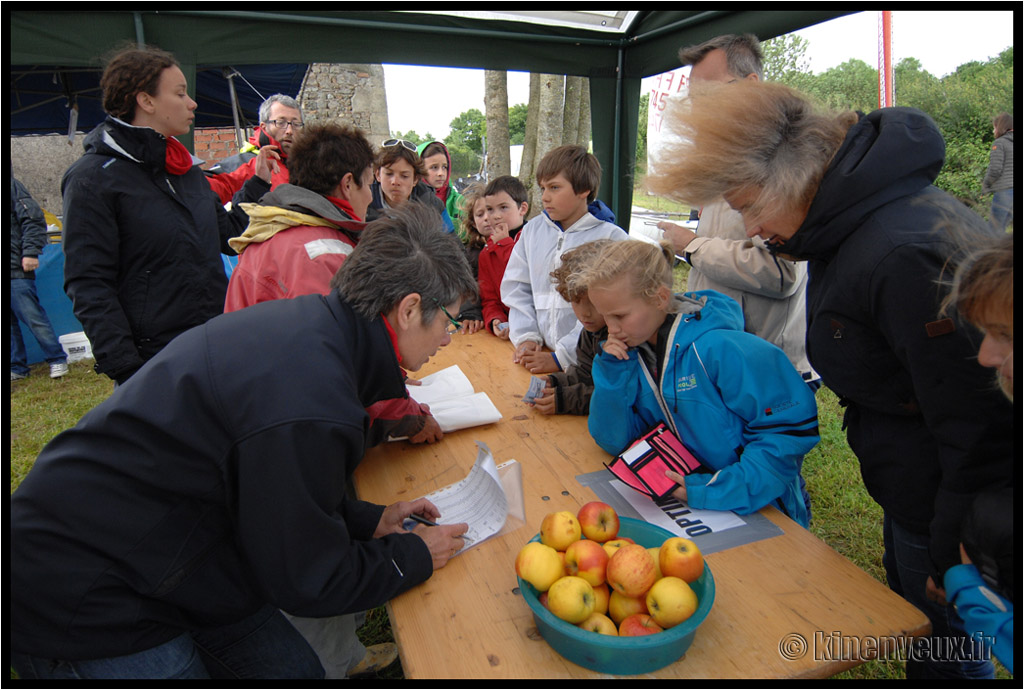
x,y
942,41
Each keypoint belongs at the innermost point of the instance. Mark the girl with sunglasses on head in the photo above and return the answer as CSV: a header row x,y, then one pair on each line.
x,y
398,178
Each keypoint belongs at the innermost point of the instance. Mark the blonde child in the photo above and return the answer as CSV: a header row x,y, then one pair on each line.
x,y
734,399
473,229
569,392
542,325
984,586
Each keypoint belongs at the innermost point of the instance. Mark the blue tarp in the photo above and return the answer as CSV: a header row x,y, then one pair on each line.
x,y
50,286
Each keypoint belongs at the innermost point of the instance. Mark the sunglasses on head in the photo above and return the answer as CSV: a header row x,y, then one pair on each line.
x,y
407,145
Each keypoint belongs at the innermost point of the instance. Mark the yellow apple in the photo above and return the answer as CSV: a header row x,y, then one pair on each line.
x,y
586,559
638,624
671,601
621,607
560,529
599,623
631,570
614,545
680,557
571,598
599,521
539,565
655,551
601,597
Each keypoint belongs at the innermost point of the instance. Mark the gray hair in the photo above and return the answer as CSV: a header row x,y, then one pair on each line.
x,y
286,101
405,251
742,53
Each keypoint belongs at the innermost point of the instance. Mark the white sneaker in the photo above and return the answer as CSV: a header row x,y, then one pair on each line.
x,y
18,377
57,370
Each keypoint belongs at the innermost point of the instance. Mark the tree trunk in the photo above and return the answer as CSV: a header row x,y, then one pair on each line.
x,y
551,99
496,108
584,133
530,139
571,112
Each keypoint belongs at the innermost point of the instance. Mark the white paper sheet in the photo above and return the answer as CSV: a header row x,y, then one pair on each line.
x,y
716,520
445,384
478,500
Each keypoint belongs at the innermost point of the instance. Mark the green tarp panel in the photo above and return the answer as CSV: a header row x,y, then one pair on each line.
x,y
615,61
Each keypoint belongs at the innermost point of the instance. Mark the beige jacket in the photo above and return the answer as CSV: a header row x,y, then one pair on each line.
x,y
771,291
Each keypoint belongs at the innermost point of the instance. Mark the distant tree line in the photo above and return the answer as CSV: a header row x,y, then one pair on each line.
x,y
962,103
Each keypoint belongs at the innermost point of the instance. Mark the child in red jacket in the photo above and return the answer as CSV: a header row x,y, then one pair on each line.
x,y
506,205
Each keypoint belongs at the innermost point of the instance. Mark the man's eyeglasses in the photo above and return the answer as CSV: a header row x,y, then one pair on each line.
x,y
407,145
455,326
285,124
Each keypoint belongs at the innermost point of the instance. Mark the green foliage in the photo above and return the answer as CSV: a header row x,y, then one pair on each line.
x,y
465,162
468,131
962,103
517,124
641,136
414,137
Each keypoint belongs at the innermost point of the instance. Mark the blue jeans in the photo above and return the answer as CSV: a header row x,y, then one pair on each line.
x,y
25,307
264,646
949,652
1002,209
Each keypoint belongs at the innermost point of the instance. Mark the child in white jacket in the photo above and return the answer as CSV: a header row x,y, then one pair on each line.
x,y
539,317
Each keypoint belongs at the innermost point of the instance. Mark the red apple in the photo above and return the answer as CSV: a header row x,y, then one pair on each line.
x,y
680,557
631,570
586,559
638,624
599,521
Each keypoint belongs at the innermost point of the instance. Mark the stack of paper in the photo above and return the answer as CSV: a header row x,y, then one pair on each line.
x,y
452,400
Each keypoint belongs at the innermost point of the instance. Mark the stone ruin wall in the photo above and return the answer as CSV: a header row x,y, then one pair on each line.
x,y
347,93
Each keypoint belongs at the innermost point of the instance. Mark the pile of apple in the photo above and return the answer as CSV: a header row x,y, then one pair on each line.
x,y
593,578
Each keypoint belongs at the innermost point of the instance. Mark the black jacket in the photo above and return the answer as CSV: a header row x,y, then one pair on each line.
x,y
164,512
918,405
28,229
142,247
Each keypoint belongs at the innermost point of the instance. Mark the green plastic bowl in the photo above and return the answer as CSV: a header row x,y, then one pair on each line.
x,y
623,655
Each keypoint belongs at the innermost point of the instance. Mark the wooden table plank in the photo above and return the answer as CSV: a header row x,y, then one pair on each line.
x,y
467,621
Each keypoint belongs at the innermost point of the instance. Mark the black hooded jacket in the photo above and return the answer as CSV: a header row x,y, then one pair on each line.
x,y
142,246
919,408
157,515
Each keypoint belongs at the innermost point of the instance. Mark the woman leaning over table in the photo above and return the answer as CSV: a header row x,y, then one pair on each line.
x,y
853,195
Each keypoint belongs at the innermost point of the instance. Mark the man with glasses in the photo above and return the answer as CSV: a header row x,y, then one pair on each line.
x,y
263,161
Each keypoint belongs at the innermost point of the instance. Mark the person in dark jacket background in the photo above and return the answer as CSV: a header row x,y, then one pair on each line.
x,y
854,196
162,534
28,237
399,174
143,231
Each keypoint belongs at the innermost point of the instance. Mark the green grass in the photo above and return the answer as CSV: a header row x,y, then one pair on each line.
x,y
844,516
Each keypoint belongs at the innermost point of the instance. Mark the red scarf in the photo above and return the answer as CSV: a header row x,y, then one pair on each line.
x,y
178,160
344,206
393,336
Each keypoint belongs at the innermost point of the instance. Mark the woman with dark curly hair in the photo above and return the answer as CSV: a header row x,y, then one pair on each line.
x,y
143,232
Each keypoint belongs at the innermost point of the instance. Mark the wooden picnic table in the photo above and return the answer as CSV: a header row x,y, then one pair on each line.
x,y
774,597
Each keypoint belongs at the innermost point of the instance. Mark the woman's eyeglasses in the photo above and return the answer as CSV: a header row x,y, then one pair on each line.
x,y
455,326
407,145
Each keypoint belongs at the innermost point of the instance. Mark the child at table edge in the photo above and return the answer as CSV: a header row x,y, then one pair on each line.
x,y
734,399
506,202
569,392
569,178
